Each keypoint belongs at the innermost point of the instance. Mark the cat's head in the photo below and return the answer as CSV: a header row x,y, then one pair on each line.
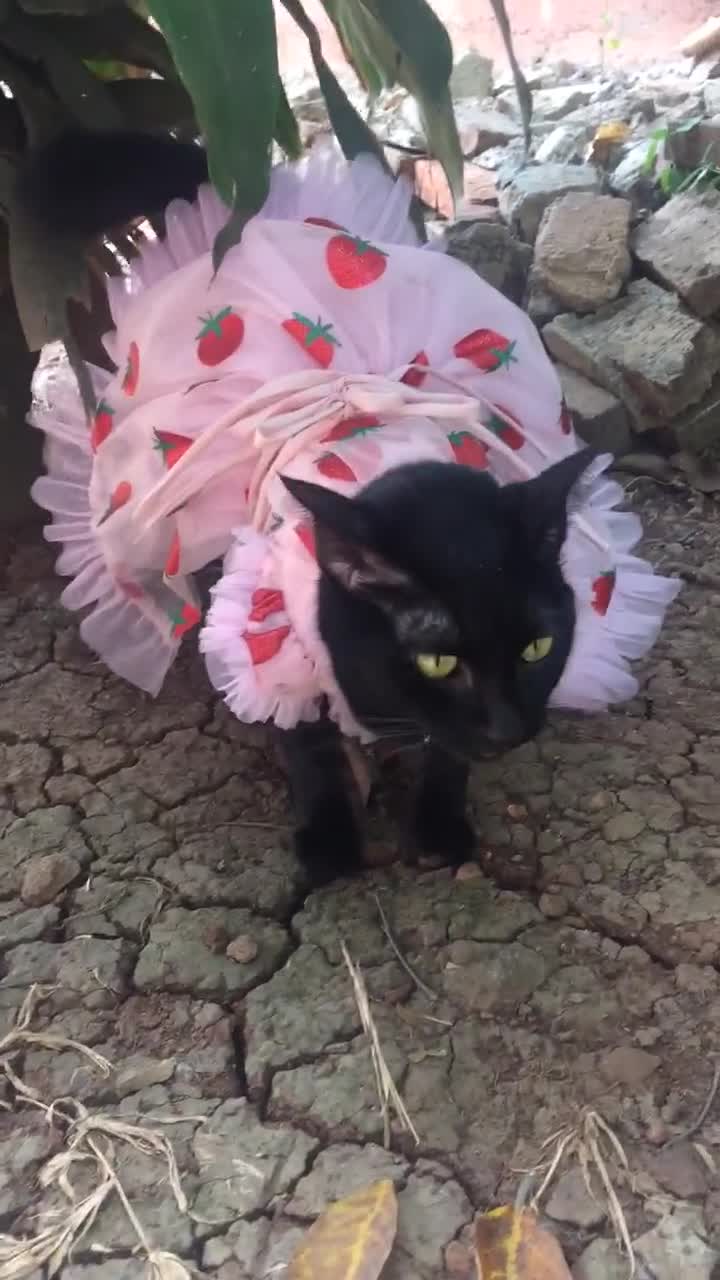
x,y
442,602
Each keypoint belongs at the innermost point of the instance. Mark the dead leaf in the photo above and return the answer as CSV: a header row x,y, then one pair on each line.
x,y
352,1239
510,1244
607,136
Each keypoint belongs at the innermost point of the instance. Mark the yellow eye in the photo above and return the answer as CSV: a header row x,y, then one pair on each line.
x,y
538,649
436,666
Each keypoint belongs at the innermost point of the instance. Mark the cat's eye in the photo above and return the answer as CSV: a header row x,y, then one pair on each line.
x,y
537,649
436,666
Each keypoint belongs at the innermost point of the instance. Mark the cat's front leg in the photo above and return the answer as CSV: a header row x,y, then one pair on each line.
x,y
441,828
328,834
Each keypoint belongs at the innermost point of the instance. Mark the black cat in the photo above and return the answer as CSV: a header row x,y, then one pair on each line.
x,y
442,602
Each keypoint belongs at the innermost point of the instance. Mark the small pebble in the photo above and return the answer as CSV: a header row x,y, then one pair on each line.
x,y
242,949
46,877
517,812
468,871
459,1261
553,905
215,938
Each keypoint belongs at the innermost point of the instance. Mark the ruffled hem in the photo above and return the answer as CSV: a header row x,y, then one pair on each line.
x,y
597,674
115,628
252,655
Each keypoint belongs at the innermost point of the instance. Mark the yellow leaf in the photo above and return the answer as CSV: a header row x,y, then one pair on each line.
x,y
511,1245
351,1240
612,131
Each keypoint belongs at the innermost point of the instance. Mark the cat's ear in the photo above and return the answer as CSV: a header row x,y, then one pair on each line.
x,y
343,537
543,503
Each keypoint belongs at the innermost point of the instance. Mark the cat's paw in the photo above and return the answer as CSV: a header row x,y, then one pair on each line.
x,y
443,839
330,846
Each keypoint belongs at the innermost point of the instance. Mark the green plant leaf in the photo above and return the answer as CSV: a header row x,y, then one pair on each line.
x,y
153,104
648,165
45,271
354,135
114,34
84,97
287,132
226,53
403,41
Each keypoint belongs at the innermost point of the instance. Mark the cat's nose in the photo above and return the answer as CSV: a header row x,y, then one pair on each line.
x,y
506,727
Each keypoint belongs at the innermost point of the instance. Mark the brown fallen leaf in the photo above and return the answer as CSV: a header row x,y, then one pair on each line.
x,y
510,1244
352,1239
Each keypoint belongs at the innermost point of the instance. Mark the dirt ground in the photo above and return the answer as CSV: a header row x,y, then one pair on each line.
x,y
541,28
172,923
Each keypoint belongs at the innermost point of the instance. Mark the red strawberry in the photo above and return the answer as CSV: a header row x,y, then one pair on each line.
x,y
171,446
486,349
132,370
324,222
416,377
469,451
265,601
172,564
318,339
603,588
359,425
102,425
334,468
263,645
354,263
508,432
566,419
306,534
184,617
221,335
121,494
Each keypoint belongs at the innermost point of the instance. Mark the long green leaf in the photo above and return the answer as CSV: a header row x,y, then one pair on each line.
x,y
403,41
116,34
354,135
84,96
226,53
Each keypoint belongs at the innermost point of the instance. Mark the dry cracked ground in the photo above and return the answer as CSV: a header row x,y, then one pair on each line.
x,y
146,877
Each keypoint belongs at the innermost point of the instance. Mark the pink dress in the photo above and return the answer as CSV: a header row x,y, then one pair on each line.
x,y
329,346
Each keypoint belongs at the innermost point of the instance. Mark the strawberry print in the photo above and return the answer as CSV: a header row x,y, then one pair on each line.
x,y
324,222
172,563
318,339
132,370
468,451
486,349
263,645
121,494
221,334
566,419
183,618
508,432
415,377
350,428
171,446
265,601
101,425
602,589
354,263
334,468
306,534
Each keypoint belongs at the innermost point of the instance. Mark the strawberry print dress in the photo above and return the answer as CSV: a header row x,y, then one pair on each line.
x,y
329,346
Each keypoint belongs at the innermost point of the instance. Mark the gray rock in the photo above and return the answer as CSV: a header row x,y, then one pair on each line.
x,y
679,1169
632,178
45,877
182,955
563,144
629,1066
675,1248
25,926
691,147
44,831
431,1211
599,417
483,129
257,1250
602,1260
524,200
340,1170
92,971
489,977
680,246
472,76
581,252
645,348
244,1164
711,97
571,1201
26,1142
493,253
551,104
